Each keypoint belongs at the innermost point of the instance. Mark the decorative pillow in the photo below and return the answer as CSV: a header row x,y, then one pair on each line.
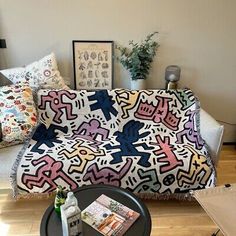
x,y
17,114
40,74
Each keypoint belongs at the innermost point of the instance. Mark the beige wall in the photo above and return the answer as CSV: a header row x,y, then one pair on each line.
x,y
198,35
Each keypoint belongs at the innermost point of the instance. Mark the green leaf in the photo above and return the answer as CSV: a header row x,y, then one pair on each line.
x,y
138,58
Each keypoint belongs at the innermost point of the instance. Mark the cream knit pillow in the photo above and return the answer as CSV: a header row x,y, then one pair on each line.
x,y
39,74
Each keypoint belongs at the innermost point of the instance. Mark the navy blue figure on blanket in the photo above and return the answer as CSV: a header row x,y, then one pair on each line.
x,y
127,138
46,136
104,102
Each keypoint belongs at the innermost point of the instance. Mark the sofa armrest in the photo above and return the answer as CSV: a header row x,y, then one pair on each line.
x,y
212,132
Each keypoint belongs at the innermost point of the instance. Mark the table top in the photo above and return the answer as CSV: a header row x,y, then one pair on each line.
x,y
219,204
51,222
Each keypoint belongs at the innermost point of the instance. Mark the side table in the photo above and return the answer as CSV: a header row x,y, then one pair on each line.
x,y
220,204
51,223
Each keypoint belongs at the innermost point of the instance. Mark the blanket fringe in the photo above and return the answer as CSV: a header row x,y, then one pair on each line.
x,y
166,196
35,196
13,174
145,196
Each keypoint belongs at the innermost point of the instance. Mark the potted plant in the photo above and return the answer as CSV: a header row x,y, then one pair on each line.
x,y
137,59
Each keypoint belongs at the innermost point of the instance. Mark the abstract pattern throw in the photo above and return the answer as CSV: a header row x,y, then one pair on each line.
x,y
145,141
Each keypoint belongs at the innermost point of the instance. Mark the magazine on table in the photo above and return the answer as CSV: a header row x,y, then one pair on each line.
x,y
108,216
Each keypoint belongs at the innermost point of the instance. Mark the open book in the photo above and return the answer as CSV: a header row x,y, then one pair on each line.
x,y
108,216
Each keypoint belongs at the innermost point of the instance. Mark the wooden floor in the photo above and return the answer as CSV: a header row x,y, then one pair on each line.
x,y
168,217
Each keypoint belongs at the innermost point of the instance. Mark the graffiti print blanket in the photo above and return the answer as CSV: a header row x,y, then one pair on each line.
x,y
145,141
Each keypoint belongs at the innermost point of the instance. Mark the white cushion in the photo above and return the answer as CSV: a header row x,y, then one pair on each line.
x,y
39,74
212,132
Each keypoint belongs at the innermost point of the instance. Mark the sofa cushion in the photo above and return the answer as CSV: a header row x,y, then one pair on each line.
x,y
146,141
17,114
8,156
39,74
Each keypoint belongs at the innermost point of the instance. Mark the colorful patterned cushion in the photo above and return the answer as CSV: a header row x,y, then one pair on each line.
x,y
40,74
17,114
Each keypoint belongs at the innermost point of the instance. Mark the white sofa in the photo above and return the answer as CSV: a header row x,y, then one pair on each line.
x,y
210,130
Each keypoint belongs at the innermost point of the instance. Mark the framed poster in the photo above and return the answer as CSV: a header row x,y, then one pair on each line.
x,y
93,64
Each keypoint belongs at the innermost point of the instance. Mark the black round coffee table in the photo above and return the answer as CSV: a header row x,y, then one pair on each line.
x,y
51,222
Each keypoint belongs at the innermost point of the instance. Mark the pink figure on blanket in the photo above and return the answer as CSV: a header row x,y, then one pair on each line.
x,y
158,113
169,159
47,172
55,99
92,131
107,175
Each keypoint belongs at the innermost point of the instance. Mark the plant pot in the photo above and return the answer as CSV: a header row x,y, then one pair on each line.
x,y
138,84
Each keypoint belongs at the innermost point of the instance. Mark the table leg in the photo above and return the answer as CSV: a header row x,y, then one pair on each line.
x,y
217,231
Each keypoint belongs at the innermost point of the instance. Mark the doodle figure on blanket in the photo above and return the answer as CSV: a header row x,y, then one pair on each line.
x,y
189,132
127,139
47,173
107,175
148,182
198,170
83,153
92,131
46,136
160,113
57,103
104,102
128,100
169,159
185,97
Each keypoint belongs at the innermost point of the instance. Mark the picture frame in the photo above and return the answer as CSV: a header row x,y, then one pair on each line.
x,y
93,64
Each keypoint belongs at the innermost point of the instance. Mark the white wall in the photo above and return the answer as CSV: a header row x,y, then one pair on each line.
x,y
199,36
